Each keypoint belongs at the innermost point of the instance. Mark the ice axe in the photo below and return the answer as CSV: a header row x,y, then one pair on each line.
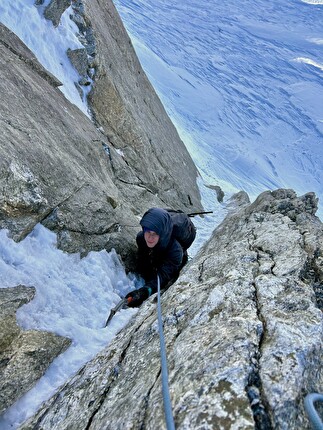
x,y
121,305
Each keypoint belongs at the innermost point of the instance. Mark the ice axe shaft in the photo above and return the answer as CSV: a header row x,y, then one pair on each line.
x,y
199,213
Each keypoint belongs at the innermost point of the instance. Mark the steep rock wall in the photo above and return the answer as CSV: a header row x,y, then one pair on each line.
x,y
53,167
243,327
58,168
125,104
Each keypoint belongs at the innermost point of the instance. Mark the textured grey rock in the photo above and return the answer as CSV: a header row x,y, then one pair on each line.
x,y
24,355
57,168
54,168
243,331
21,53
219,192
86,34
124,104
78,58
55,9
10,300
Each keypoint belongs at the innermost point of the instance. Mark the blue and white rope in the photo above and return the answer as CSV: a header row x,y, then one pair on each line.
x,y
314,417
165,387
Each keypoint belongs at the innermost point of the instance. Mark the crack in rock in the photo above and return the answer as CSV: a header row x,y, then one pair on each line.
x,y
107,389
146,399
259,406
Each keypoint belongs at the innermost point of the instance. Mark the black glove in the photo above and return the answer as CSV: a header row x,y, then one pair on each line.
x,y
137,297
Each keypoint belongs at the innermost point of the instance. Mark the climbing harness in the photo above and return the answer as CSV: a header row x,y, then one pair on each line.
x,y
314,417
165,387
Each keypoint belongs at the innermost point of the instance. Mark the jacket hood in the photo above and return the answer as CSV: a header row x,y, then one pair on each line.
x,y
160,221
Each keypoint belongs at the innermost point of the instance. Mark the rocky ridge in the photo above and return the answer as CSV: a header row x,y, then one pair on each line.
x,y
243,327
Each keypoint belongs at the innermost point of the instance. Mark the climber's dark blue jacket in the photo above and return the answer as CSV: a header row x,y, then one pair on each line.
x,y
166,257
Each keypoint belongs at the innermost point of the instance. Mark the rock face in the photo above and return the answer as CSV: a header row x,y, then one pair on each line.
x,y
243,327
24,355
124,104
243,323
60,168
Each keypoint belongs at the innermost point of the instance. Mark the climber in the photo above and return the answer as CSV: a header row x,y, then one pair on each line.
x,y
162,249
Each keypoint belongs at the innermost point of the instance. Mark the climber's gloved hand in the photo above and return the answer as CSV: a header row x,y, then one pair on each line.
x,y
136,297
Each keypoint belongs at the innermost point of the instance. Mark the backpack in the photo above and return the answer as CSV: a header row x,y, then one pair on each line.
x,y
184,230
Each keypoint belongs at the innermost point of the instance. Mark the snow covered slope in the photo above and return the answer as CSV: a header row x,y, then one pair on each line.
x,y
243,82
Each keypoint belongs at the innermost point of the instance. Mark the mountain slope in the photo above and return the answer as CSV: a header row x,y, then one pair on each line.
x,y
243,83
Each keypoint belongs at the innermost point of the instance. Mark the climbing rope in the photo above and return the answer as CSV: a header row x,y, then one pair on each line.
x,y
165,388
311,411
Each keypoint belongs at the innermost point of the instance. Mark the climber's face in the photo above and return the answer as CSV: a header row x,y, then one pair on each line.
x,y
151,238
